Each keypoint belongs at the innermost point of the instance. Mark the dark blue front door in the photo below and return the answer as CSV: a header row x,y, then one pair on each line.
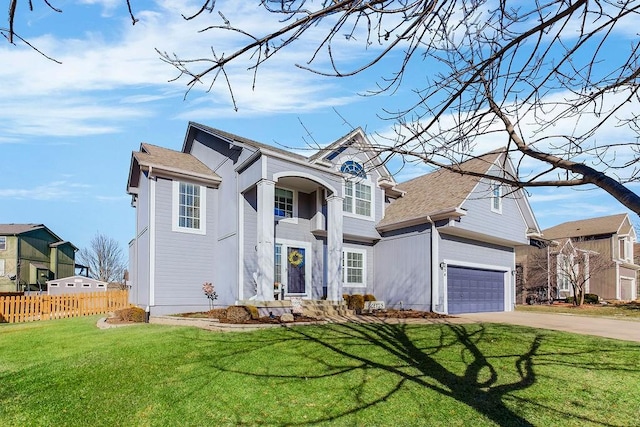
x,y
472,290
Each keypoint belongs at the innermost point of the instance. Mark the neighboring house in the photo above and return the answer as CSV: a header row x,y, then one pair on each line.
x,y
255,220
31,254
75,285
610,238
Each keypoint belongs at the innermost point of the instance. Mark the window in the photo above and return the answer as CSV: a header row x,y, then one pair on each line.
x,y
71,285
1,267
189,207
496,198
86,285
357,198
100,285
283,203
565,268
354,265
3,243
625,248
277,273
53,285
353,168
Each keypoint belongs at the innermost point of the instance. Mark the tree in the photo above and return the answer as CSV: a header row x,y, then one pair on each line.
x,y
539,76
567,267
105,259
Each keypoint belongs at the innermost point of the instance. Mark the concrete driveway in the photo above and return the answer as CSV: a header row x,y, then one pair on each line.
x,y
627,330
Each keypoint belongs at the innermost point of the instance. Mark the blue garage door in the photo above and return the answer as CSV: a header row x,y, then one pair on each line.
x,y
472,290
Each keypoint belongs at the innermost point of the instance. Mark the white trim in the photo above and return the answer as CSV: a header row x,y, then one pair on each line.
x,y
240,278
508,280
634,290
353,214
1,267
299,174
308,260
175,200
152,241
345,269
4,246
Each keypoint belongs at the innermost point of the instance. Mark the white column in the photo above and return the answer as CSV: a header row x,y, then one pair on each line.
x,y
266,240
334,248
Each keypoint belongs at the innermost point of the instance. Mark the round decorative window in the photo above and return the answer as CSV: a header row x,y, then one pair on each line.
x,y
353,168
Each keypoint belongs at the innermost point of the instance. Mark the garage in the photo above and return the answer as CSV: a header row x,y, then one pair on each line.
x,y
474,290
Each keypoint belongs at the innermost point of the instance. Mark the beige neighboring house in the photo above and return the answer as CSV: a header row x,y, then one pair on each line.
x,y
611,236
75,285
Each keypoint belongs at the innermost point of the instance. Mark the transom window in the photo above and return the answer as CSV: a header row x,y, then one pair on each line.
x,y
3,243
353,168
283,203
354,267
189,206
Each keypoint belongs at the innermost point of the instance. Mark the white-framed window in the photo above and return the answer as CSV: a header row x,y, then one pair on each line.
x,y
71,285
53,285
100,285
277,256
565,268
189,207
625,248
357,198
3,243
354,267
496,197
285,203
1,267
86,285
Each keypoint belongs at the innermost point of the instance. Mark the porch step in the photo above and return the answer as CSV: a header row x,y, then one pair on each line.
x,y
323,309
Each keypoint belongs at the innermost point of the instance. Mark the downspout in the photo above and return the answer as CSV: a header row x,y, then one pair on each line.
x,y
435,265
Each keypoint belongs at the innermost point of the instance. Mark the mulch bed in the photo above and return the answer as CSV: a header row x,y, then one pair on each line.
x,y
406,314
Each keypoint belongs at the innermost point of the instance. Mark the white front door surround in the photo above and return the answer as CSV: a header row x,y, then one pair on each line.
x,y
266,244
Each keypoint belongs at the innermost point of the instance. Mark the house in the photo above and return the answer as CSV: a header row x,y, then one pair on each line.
x,y
261,223
609,240
75,285
31,254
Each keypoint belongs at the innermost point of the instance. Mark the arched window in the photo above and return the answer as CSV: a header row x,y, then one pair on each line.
x,y
354,168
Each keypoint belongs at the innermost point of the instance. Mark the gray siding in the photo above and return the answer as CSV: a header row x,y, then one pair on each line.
x,y
403,268
370,257
454,248
481,219
140,264
184,261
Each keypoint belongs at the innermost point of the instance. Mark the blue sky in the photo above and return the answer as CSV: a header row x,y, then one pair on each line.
x,y
67,130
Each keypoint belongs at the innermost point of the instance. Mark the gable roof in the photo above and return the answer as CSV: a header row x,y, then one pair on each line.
x,y
15,229
586,227
437,192
171,162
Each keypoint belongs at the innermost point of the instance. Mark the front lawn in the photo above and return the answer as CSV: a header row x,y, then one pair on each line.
x,y
68,372
626,311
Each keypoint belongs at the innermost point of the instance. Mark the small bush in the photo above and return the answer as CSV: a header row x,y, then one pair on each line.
x,y
591,298
253,312
131,314
346,298
356,302
369,297
238,314
569,300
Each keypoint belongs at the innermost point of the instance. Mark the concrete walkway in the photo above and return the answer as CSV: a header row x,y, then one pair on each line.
x,y
627,330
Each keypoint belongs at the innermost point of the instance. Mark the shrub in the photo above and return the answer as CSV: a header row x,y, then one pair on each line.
x,y
346,298
569,300
591,298
356,302
238,314
131,314
253,311
369,297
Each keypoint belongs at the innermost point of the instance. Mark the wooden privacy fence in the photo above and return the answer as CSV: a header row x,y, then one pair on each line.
x,y
29,308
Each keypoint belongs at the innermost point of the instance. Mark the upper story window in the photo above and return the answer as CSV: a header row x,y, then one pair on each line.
x,y
625,245
357,192
284,203
496,197
3,243
189,207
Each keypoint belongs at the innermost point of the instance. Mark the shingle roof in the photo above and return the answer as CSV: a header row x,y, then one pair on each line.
x,y
164,157
12,229
586,227
436,191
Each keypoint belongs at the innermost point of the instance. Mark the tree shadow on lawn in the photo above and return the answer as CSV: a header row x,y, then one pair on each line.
x,y
390,348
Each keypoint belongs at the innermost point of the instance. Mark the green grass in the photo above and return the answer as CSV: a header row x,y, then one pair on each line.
x,y
629,311
68,372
